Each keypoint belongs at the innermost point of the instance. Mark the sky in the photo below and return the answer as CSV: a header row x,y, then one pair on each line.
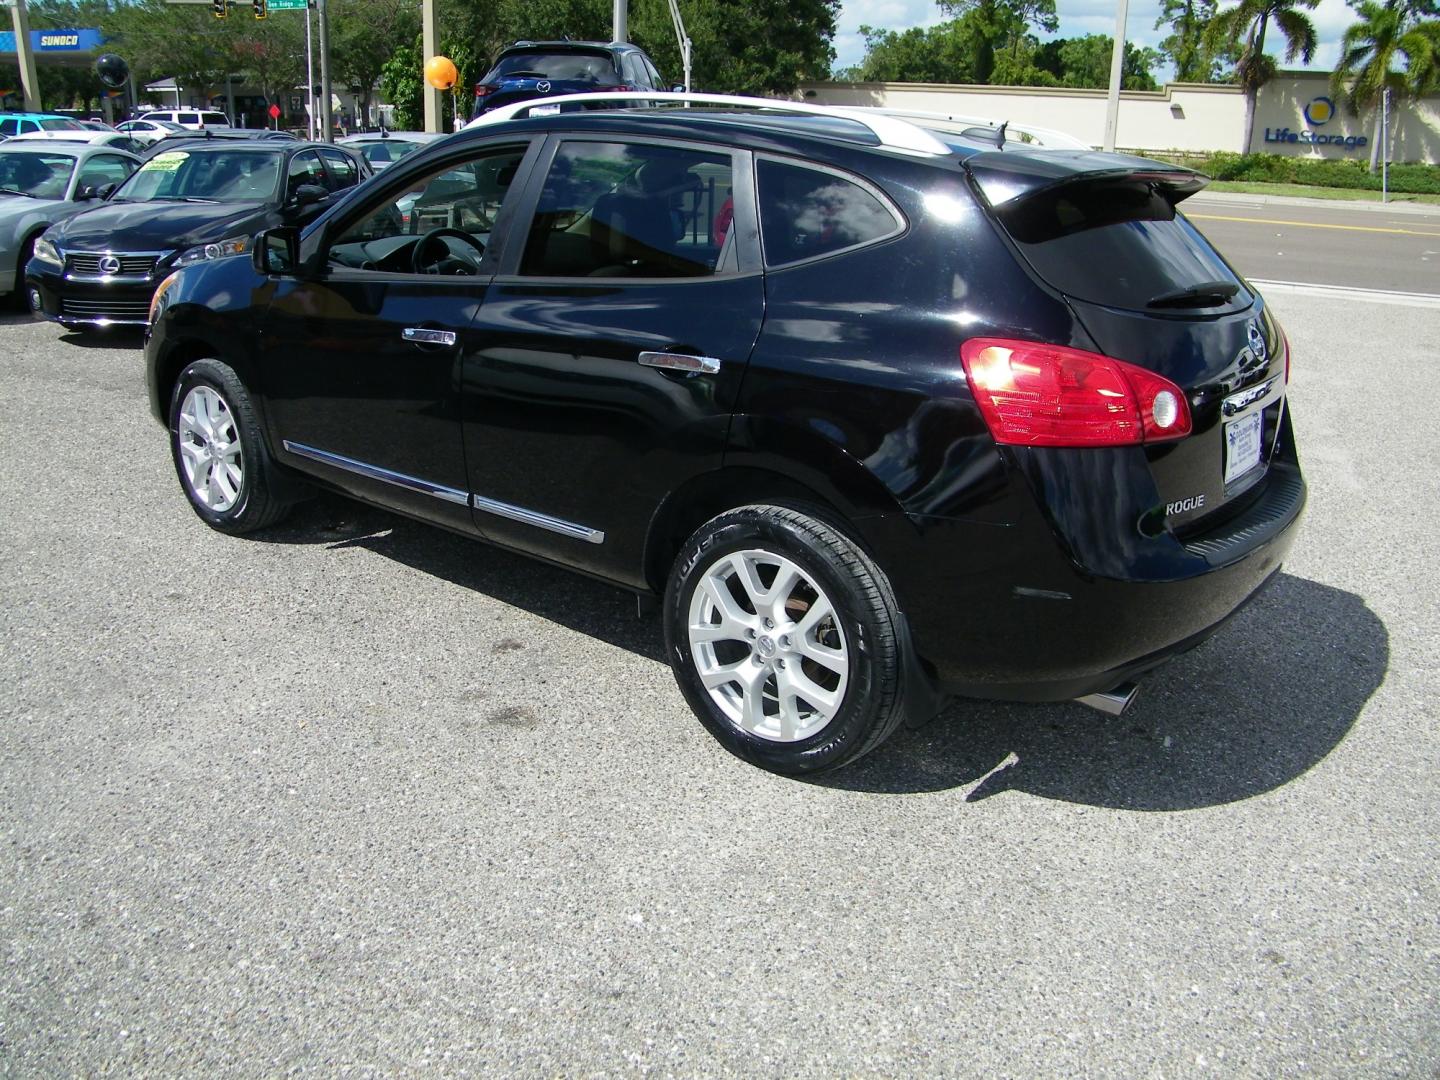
x,y
1077,18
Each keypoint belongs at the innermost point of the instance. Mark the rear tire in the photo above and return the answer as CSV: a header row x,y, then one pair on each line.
x,y
783,637
219,452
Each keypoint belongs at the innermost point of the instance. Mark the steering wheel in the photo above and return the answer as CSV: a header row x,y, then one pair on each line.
x,y
417,254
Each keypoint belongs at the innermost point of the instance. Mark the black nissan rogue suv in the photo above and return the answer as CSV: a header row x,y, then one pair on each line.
x,y
881,413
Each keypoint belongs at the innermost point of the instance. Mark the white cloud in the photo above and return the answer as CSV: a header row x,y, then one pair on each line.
x,y
1077,17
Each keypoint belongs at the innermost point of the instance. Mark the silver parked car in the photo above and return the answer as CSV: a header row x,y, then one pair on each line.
x,y
45,182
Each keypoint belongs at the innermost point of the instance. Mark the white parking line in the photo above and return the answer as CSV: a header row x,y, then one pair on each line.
x,y
1345,292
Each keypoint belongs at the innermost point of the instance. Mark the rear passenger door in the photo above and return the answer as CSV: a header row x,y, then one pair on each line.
x,y
611,345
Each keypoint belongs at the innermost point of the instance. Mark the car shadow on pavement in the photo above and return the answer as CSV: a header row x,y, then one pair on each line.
x,y
1253,708
1259,704
601,611
111,337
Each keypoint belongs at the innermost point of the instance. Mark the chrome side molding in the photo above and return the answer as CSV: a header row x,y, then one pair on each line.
x,y
448,494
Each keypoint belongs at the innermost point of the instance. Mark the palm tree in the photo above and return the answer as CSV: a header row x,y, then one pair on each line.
x,y
1369,51
1248,21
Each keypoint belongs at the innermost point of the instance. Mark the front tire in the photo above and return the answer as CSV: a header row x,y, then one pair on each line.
x,y
784,638
219,452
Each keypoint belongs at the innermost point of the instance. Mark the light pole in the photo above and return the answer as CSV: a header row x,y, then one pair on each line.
x,y
430,46
25,56
622,20
1117,69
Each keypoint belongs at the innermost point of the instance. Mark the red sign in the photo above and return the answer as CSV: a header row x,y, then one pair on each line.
x,y
274,112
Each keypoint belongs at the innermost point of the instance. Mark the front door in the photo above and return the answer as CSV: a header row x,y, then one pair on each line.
x,y
362,359
609,351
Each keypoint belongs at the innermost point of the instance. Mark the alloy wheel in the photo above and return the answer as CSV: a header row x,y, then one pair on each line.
x,y
210,450
768,646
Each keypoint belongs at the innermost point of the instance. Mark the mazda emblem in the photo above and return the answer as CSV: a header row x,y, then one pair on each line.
x,y
543,86
109,265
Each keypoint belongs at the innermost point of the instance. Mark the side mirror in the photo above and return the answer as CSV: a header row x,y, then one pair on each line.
x,y
309,195
86,192
277,251
677,89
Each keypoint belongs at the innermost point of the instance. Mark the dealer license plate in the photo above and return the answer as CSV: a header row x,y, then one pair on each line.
x,y
544,110
1242,446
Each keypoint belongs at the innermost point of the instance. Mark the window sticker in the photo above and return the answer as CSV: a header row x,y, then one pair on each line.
x,y
170,161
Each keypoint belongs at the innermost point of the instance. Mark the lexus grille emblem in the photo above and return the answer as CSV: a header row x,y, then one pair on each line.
x,y
543,86
109,265
1257,340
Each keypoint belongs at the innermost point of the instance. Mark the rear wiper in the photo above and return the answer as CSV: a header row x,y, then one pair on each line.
x,y
1206,294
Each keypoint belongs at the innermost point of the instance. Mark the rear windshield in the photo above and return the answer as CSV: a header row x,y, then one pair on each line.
x,y
1122,245
585,67
61,124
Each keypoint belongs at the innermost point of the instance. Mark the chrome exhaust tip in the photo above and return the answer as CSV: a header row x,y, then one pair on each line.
x,y
1112,702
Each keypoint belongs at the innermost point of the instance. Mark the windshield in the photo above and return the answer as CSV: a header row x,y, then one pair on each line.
x,y
214,175
44,176
61,124
586,67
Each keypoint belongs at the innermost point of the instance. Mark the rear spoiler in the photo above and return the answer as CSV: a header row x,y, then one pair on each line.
x,y
1007,179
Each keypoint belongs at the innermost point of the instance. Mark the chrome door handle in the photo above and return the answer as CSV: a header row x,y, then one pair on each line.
x,y
681,362
422,336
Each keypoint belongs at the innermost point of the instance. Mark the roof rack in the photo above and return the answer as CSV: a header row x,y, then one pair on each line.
x,y
1046,138
894,132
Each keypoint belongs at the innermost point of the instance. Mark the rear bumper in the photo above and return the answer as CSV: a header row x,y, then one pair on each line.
x,y
1004,611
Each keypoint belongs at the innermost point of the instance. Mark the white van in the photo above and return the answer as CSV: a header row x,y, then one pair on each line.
x,y
193,119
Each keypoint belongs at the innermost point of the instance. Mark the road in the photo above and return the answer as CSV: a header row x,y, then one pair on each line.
x,y
360,797
1324,243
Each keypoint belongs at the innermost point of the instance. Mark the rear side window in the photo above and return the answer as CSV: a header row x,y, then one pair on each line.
x,y
1120,244
632,210
188,118
806,213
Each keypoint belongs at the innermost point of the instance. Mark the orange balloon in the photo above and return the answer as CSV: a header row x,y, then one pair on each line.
x,y
440,72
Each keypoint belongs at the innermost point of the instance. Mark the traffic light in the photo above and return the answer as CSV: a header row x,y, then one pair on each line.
x,y
218,8
261,8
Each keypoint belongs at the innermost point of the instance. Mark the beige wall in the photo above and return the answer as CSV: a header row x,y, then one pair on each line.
x,y
1183,116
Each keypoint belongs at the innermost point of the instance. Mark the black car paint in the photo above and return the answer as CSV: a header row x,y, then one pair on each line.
x,y
164,226
1014,582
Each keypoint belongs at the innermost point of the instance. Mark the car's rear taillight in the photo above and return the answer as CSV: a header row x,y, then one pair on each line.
x,y
609,89
1033,394
481,90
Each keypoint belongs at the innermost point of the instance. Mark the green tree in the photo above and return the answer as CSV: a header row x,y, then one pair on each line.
x,y
1085,62
1392,48
363,37
1195,59
1244,27
1002,25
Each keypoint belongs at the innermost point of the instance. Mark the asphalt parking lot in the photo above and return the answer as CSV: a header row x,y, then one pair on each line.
x,y
359,797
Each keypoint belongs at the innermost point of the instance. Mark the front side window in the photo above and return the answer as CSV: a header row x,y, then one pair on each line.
x,y
44,176
213,176
343,173
458,203
631,210
219,119
104,169
806,213
305,169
